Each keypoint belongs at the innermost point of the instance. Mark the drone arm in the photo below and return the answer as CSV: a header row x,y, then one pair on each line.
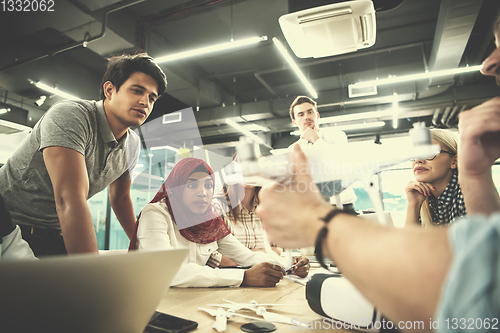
x,y
220,323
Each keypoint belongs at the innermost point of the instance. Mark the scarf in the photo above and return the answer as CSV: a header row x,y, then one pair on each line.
x,y
450,203
197,228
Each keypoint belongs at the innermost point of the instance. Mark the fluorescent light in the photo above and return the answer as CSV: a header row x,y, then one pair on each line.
x,y
5,110
295,68
164,147
395,109
356,116
210,49
53,90
256,128
246,132
348,127
426,75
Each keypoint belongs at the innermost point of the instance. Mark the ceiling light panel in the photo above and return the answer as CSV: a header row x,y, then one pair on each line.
x,y
210,49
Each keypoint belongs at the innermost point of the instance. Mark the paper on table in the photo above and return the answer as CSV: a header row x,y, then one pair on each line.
x,y
298,279
321,270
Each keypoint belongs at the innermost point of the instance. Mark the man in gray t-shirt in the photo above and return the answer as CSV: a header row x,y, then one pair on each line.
x,y
76,150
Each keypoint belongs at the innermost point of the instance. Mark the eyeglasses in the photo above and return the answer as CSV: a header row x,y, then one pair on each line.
x,y
433,157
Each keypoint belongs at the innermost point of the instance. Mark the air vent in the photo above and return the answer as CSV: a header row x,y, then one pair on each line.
x,y
362,91
174,117
329,30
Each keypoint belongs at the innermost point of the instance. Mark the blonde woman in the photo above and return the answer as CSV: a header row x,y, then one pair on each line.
x,y
435,197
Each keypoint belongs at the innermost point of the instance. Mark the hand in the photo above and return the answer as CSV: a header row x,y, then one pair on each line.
x,y
263,275
310,134
479,130
416,192
291,213
301,267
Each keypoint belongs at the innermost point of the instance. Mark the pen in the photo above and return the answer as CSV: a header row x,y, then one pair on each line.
x,y
288,271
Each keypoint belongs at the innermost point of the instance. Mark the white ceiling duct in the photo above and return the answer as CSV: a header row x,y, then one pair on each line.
x,y
329,30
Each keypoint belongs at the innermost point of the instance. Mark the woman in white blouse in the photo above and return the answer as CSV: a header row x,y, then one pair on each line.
x,y
181,215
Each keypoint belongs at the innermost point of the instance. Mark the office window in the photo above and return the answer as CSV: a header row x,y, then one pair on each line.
x,y
149,174
389,183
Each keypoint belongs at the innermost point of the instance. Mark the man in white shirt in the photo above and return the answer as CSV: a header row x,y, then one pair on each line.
x,y
304,114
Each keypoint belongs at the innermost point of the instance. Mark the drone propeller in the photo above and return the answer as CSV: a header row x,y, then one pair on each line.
x,y
259,309
221,317
238,306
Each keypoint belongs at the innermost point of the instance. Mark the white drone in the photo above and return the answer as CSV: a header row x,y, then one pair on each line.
x,y
221,315
340,167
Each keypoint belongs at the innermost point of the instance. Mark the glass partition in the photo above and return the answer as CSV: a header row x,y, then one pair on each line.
x,y
98,205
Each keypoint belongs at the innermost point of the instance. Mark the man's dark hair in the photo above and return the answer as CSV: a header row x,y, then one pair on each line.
x,y
301,100
121,67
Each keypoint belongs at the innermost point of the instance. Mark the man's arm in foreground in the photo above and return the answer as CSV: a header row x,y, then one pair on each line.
x,y
121,202
401,271
68,174
479,147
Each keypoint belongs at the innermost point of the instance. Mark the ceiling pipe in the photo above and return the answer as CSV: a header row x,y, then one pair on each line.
x,y
83,42
453,29
449,121
435,117
453,118
446,114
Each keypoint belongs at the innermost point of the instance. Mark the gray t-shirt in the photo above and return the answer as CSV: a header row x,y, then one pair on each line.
x,y
78,125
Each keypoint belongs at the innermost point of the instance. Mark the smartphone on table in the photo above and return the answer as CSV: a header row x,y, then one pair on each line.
x,y
162,322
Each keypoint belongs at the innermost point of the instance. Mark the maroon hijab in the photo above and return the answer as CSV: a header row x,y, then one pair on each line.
x,y
201,229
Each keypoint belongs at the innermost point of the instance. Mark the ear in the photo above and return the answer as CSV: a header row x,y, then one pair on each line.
x,y
317,115
454,164
294,123
108,88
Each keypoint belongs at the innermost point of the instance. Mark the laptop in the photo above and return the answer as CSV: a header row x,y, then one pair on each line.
x,y
113,293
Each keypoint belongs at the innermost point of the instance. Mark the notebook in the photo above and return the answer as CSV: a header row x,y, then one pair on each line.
x,y
85,293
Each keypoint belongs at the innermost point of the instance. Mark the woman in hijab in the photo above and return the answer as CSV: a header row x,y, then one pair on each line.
x,y
181,215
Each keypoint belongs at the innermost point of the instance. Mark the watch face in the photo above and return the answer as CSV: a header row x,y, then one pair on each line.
x,y
258,327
